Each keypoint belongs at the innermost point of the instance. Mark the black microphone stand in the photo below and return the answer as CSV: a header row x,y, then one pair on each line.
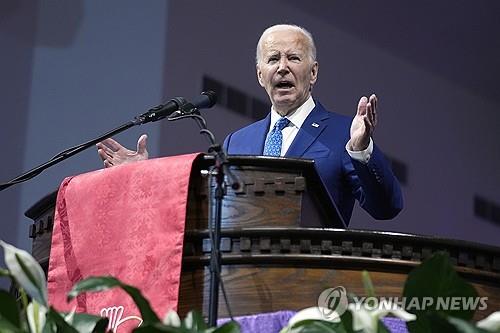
x,y
66,154
152,114
220,170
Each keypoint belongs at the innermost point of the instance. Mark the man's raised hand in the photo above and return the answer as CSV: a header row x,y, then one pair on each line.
x,y
363,124
112,153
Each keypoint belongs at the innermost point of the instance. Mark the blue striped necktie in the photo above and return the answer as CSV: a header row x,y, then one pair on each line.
x,y
274,139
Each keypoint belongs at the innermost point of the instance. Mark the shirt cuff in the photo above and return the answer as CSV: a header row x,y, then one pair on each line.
x,y
362,156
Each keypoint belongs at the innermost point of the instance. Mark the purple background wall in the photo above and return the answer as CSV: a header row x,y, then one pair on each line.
x,y
16,58
71,71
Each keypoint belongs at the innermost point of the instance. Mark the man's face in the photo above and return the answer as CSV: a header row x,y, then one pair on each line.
x,y
286,70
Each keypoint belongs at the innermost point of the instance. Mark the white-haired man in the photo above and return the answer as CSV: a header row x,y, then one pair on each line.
x,y
350,165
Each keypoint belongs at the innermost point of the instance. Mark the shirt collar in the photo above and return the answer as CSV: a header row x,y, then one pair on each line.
x,y
298,117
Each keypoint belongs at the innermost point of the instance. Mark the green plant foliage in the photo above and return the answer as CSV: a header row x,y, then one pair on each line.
x,y
5,272
158,328
9,310
317,326
94,284
193,323
230,327
367,284
447,324
56,324
74,323
86,323
6,327
346,320
435,278
26,271
321,326
381,328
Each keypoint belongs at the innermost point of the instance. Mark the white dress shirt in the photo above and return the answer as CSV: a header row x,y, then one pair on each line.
x,y
297,118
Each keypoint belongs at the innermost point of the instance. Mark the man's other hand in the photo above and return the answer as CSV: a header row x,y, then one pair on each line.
x,y
363,124
112,153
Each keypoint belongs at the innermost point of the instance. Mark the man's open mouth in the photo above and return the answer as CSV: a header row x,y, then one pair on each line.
x,y
284,85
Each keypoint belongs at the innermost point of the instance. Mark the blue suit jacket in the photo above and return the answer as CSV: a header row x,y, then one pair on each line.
x,y
372,184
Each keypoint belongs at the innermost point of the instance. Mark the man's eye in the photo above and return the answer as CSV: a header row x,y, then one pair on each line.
x,y
294,58
272,59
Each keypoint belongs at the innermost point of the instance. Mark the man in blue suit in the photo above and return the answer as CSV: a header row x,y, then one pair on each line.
x,y
348,162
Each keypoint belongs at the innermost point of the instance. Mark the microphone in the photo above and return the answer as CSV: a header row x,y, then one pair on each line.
x,y
206,100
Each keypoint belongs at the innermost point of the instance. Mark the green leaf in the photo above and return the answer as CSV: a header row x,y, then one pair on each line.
x,y
86,323
314,325
441,323
101,326
7,327
464,326
94,284
9,310
159,328
78,323
5,272
49,327
367,284
229,327
61,326
194,322
26,271
436,281
381,328
346,321
317,326
22,296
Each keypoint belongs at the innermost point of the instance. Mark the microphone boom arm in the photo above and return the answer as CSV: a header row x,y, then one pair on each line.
x,y
207,100
67,154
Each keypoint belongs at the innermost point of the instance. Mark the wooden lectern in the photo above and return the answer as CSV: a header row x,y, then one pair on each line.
x,y
283,242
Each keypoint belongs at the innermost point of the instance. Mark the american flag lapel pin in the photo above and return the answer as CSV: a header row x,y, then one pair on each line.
x,y
315,125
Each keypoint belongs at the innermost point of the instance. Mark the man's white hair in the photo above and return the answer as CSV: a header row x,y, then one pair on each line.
x,y
281,27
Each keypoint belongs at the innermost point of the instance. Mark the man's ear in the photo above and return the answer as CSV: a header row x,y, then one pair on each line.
x,y
314,72
259,75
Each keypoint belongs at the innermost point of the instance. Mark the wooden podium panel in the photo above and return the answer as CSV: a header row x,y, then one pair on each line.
x,y
275,191
271,269
273,260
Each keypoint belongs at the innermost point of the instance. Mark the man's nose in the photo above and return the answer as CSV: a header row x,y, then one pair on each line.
x,y
283,66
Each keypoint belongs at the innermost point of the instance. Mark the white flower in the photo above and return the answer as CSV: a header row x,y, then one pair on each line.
x,y
36,316
365,317
30,277
172,319
70,316
490,323
313,313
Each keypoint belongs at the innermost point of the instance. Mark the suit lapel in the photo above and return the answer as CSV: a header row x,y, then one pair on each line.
x,y
309,131
256,145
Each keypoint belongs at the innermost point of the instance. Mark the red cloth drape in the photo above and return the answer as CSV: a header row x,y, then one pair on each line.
x,y
128,222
